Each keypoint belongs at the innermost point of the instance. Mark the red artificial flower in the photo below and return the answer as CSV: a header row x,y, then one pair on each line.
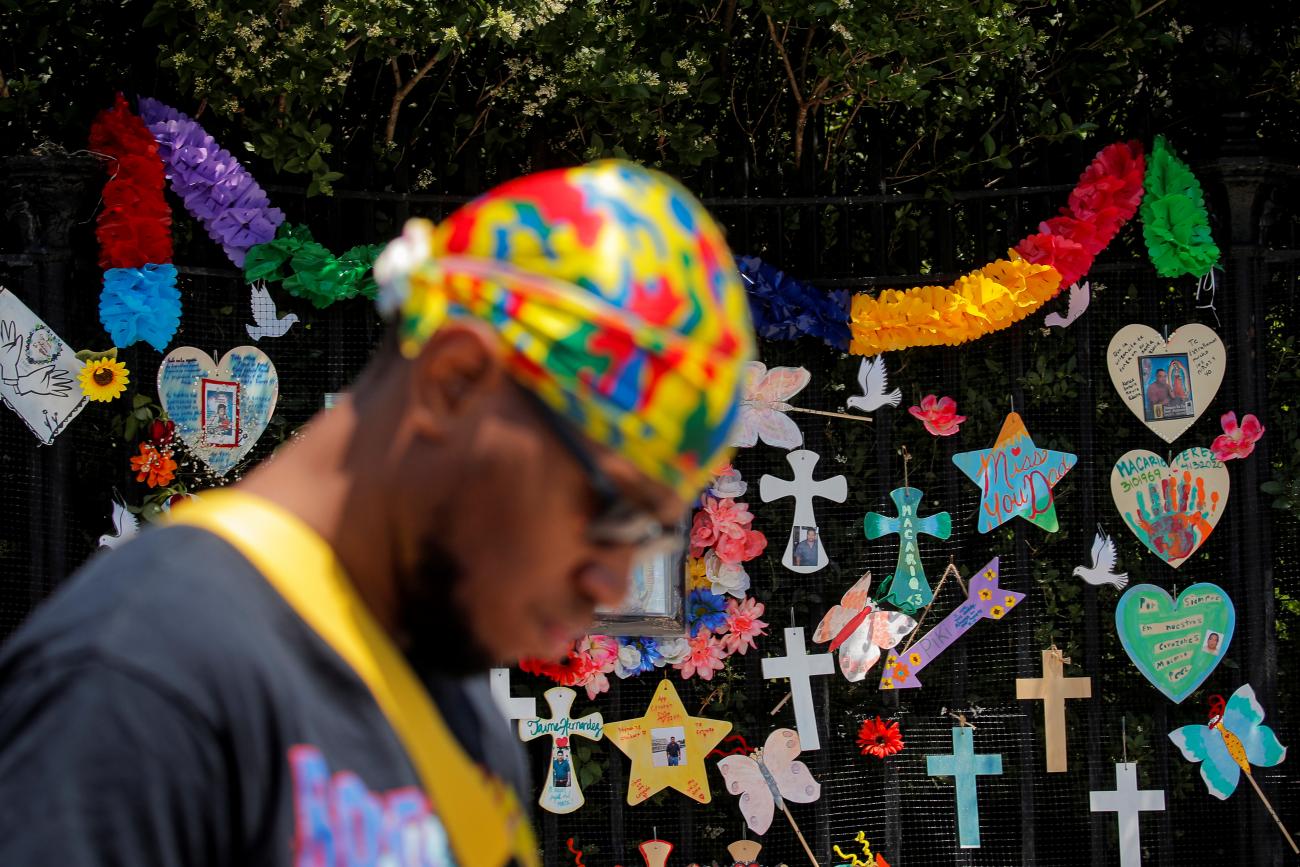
x,y
161,431
573,669
879,738
938,414
1236,442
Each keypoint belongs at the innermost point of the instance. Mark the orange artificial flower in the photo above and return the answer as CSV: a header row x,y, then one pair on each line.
x,y
153,467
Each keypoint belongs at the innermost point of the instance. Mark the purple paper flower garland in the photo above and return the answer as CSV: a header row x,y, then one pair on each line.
x,y
785,309
216,189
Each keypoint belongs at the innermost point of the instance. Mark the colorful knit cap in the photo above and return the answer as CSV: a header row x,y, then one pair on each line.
x,y
616,297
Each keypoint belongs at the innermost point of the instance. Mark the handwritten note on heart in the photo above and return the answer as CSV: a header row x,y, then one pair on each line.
x,y
1167,384
1176,645
220,410
1171,508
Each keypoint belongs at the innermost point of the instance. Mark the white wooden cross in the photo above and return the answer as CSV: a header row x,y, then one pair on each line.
x,y
803,489
1053,688
1128,802
513,708
800,668
561,794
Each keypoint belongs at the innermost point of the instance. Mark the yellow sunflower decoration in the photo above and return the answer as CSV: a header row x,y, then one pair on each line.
x,y
104,379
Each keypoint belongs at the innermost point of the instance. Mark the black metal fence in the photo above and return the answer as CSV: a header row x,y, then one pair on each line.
x,y
57,502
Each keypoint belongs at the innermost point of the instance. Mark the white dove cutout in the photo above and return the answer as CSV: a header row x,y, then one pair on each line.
x,y
264,315
873,379
125,525
1079,298
1102,571
767,778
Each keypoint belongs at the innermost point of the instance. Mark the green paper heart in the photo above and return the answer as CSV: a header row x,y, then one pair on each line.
x,y
1169,641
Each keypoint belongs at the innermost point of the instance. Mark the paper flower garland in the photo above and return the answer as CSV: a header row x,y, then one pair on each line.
x,y
103,379
141,304
309,270
1006,291
1175,223
1105,198
140,300
216,189
785,309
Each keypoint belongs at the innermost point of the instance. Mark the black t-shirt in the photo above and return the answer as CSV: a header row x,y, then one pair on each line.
x,y
169,708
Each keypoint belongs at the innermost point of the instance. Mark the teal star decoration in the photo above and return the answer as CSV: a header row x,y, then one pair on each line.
x,y
1015,477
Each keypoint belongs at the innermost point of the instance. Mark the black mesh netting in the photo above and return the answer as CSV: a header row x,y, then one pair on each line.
x,y
58,499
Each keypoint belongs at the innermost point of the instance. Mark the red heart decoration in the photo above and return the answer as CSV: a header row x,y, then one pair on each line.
x,y
1015,451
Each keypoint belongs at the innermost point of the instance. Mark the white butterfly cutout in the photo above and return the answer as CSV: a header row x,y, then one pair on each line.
x,y
1079,298
763,407
873,379
768,776
861,630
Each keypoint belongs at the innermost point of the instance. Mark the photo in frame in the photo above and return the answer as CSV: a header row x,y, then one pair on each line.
x,y
656,602
1166,387
219,406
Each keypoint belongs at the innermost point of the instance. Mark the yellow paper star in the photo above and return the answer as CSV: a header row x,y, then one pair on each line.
x,y
647,742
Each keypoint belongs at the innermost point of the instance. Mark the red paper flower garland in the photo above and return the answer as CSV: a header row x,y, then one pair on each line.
x,y
134,229
1107,196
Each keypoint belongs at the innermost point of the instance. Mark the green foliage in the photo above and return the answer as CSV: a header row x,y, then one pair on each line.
x,y
414,94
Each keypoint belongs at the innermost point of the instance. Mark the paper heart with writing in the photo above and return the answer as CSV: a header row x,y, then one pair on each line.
x,y
1171,508
1176,645
1167,384
220,410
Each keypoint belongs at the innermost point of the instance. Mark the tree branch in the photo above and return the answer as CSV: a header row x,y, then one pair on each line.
x,y
785,58
403,91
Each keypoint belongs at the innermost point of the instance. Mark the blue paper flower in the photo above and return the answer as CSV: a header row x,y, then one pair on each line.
x,y
705,610
785,309
141,304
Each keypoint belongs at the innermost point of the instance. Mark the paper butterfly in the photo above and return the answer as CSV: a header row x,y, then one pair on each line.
x,y
860,630
767,776
763,408
1235,739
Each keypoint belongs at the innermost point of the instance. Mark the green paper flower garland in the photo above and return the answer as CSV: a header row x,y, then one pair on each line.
x,y
307,269
1175,224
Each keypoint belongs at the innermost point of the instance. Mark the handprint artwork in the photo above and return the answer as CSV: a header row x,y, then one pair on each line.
x,y
1171,508
38,371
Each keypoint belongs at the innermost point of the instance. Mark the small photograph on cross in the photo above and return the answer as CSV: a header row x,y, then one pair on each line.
x,y
806,550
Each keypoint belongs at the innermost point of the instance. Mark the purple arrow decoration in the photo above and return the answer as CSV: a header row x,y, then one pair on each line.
x,y
985,600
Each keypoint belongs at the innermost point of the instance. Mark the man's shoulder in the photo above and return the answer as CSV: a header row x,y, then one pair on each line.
x,y
178,602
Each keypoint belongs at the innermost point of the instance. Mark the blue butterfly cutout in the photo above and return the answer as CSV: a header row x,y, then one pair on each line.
x,y
1244,718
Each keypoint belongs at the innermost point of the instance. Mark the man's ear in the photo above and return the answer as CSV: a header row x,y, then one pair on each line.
x,y
459,366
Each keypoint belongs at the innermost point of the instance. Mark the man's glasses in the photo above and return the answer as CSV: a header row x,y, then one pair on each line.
x,y
617,520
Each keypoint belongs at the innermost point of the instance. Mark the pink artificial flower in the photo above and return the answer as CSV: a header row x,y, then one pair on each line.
x,y
601,650
719,519
1236,442
596,683
704,658
740,548
743,625
939,415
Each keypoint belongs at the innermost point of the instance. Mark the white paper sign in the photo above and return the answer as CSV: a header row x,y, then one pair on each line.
x,y
38,371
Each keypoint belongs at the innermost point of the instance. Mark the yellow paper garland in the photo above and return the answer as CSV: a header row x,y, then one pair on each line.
x,y
986,300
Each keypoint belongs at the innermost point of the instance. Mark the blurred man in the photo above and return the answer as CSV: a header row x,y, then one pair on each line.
x,y
289,673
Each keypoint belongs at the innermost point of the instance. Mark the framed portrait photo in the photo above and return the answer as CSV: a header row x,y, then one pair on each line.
x,y
656,603
219,413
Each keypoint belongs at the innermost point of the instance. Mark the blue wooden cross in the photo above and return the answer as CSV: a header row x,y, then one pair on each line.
x,y
908,589
965,767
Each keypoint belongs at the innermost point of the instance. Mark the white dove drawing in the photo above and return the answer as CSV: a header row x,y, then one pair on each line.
x,y
267,325
125,525
873,379
1102,570
1079,298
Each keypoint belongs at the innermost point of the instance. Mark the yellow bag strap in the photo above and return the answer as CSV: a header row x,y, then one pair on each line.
x,y
481,814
